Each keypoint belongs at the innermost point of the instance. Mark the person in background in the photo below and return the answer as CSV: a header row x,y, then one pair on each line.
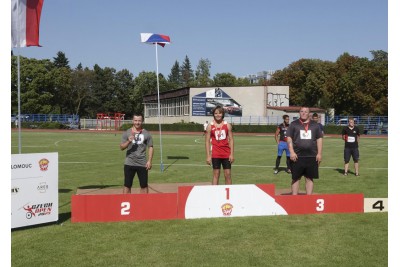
x,y
351,137
281,140
304,139
315,118
220,133
136,140
205,128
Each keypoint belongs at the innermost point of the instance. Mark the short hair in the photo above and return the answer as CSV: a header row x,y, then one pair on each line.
x,y
315,115
220,109
285,116
138,115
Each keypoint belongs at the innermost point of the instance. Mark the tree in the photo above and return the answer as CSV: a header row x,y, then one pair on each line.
x,y
145,83
186,73
203,73
224,79
61,60
174,78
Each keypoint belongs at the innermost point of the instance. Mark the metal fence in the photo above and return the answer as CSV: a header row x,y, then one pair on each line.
x,y
372,124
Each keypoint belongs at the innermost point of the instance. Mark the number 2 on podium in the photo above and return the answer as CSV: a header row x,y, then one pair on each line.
x,y
125,208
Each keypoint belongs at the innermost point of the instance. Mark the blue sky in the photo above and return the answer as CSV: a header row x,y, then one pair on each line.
x,y
240,37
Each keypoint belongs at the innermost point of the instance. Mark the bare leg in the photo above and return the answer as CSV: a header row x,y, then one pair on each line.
x,y
126,190
309,186
356,167
215,176
295,187
346,167
227,173
144,190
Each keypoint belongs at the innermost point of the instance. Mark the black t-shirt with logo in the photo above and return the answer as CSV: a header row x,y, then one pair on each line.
x,y
304,137
351,136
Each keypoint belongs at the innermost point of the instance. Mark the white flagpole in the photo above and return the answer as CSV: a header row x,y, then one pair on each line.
x,y
159,113
19,83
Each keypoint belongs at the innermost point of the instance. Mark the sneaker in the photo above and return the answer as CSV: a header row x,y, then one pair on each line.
x,y
345,174
288,171
276,172
357,174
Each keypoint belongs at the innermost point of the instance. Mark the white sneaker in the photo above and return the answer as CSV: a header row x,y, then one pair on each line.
x,y
276,172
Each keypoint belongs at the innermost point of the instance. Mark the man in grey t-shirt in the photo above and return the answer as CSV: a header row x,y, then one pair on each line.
x,y
136,140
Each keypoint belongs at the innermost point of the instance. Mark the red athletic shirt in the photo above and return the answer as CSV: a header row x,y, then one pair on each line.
x,y
219,141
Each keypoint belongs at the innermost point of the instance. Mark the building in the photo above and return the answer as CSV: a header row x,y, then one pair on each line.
x,y
192,104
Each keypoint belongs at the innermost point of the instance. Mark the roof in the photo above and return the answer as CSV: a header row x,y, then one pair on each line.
x,y
295,109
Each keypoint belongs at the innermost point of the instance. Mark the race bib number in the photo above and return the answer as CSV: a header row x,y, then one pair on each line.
x,y
139,138
220,135
305,134
351,139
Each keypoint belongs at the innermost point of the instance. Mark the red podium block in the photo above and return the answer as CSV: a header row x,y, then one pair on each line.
x,y
330,203
128,207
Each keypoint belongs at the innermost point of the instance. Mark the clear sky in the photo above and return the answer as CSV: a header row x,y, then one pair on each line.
x,y
240,37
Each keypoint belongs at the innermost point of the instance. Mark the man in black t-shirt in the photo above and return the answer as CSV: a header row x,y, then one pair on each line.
x,y
281,140
305,146
351,136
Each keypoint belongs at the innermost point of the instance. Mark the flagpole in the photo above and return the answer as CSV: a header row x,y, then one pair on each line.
x,y
19,83
159,112
19,107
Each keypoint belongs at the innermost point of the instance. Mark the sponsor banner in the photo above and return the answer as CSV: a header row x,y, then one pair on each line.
x,y
204,103
34,189
227,201
123,207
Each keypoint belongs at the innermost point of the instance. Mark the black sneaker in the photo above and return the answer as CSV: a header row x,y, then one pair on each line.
x,y
288,171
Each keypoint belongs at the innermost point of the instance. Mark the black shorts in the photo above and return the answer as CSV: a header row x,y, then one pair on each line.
x,y
351,152
130,172
304,166
216,163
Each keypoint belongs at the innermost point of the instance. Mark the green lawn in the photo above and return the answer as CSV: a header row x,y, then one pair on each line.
x,y
94,159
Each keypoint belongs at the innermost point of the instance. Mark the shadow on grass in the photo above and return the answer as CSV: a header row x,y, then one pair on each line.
x,y
64,190
97,186
176,158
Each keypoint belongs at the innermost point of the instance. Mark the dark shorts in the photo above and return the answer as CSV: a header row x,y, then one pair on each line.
x,y
130,172
216,163
304,166
351,152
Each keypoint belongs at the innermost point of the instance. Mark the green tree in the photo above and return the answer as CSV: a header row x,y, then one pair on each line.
x,y
203,73
36,86
187,73
174,78
61,61
145,83
224,79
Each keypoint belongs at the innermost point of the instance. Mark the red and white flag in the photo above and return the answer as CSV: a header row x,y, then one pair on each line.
x,y
25,21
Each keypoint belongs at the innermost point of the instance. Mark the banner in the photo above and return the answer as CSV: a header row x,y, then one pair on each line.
x,y
34,189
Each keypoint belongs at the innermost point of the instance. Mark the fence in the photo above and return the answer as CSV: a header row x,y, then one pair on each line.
x,y
372,124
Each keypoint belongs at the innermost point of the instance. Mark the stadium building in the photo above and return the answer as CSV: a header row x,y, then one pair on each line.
x,y
243,105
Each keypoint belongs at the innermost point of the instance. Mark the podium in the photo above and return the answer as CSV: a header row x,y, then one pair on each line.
x,y
208,201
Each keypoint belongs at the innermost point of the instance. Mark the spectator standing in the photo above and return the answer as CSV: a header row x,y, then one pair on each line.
x,y
351,137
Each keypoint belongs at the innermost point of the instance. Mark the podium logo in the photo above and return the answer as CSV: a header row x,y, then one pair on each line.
x,y
38,210
44,164
227,209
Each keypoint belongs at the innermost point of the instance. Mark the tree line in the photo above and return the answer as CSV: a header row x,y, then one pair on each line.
x,y
351,85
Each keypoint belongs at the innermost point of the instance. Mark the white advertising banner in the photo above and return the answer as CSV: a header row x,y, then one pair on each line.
x,y
34,189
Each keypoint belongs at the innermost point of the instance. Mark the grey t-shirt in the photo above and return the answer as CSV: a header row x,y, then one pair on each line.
x,y
136,150
304,138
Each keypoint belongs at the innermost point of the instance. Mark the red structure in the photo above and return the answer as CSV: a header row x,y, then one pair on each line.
x,y
106,121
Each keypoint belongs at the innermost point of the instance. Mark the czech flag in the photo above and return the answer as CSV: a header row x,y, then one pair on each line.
x,y
25,21
153,38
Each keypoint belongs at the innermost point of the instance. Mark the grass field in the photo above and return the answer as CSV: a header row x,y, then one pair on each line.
x,y
88,159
